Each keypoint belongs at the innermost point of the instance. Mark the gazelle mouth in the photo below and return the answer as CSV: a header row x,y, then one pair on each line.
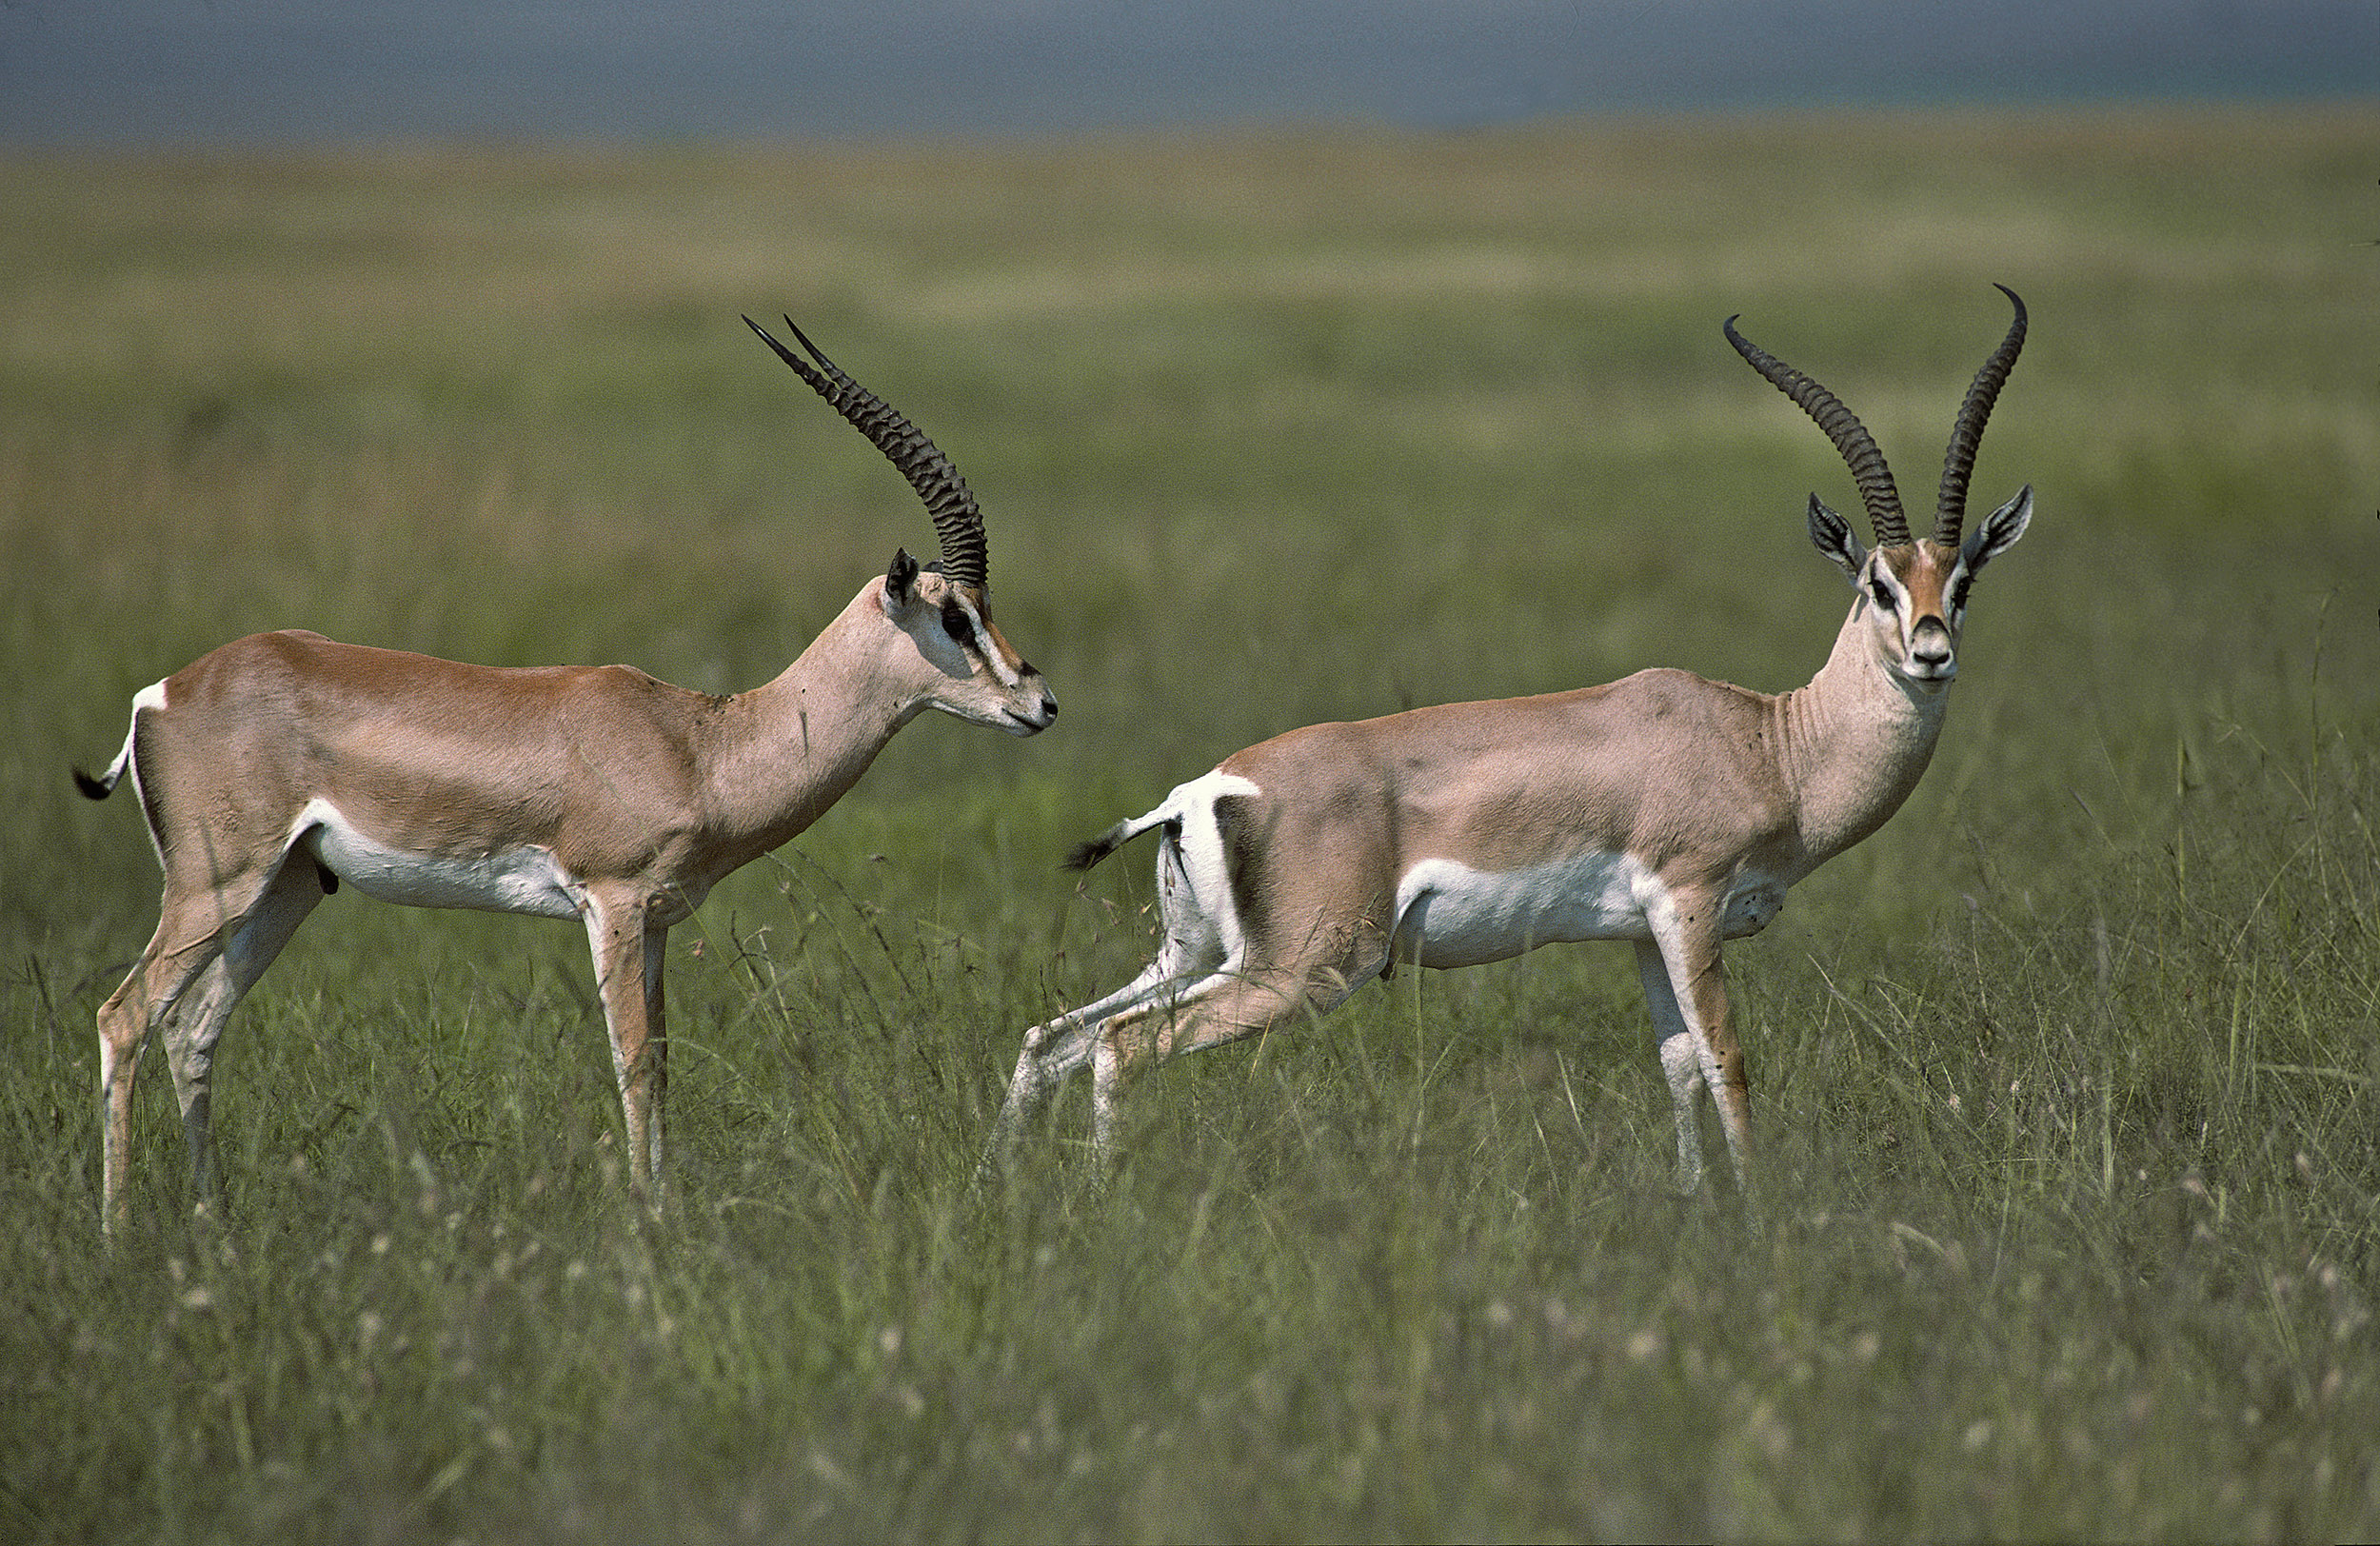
x,y
1021,724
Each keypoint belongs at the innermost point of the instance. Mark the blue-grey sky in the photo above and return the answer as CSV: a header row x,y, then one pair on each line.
x,y
235,72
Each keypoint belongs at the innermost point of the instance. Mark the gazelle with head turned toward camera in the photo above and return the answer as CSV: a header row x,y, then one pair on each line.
x,y
1665,809
282,765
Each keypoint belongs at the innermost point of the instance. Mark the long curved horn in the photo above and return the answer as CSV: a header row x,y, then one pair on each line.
x,y
1950,513
1843,428
958,525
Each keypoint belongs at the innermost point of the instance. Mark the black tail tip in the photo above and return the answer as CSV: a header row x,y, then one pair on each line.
x,y
1083,855
93,789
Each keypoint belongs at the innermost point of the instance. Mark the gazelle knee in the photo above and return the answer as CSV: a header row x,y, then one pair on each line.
x,y
119,1058
1039,1037
1683,1061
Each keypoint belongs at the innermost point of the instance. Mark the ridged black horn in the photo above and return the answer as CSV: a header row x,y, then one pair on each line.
x,y
958,525
1950,513
1843,428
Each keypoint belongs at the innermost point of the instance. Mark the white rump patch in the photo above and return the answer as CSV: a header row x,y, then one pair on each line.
x,y
523,880
152,696
1207,788
1199,854
126,764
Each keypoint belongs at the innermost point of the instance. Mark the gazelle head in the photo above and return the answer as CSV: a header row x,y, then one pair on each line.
x,y
944,609
970,670
1912,593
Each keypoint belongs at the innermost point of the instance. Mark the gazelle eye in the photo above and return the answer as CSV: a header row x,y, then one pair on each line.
x,y
1959,593
956,624
1882,592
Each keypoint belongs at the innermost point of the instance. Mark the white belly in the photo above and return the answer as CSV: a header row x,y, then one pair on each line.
x,y
524,880
1451,915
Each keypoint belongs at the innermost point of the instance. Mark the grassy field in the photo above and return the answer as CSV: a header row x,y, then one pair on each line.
x,y
2065,1081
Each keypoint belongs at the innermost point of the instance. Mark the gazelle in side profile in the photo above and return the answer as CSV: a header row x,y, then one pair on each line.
x,y
1665,809
281,765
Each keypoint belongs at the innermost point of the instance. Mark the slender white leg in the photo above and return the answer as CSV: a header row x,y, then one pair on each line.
x,y
1681,1062
1686,937
1056,1048
628,952
190,988
195,1023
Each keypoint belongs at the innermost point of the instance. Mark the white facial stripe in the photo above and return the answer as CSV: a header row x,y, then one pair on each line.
x,y
1880,573
987,645
523,880
1924,627
1913,618
1955,589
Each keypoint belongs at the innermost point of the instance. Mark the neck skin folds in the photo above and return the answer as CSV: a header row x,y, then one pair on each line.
x,y
1854,741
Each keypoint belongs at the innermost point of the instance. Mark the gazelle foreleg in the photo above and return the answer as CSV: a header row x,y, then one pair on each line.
x,y
1681,1062
1685,991
629,948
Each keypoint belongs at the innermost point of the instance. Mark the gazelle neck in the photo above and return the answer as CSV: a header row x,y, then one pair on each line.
x,y
1855,739
790,749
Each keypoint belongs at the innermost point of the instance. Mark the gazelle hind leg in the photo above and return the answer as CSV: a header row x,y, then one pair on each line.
x,y
1056,1048
156,982
1195,919
190,989
1228,1005
193,1025
1153,1031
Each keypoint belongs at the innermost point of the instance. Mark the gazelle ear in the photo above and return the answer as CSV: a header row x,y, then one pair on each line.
x,y
1997,531
1831,535
902,578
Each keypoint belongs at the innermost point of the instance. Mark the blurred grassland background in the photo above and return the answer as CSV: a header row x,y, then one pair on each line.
x,y
2065,1080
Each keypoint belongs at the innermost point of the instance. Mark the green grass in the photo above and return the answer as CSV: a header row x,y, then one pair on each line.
x,y
2065,1081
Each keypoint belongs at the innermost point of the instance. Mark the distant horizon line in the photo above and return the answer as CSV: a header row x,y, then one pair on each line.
x,y
2294,102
